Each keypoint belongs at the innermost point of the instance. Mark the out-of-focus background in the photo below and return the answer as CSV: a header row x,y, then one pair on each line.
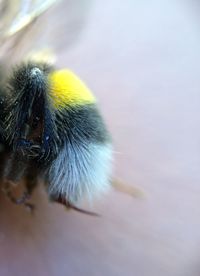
x,y
141,59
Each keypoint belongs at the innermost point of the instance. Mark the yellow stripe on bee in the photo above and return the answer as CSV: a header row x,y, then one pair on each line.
x,y
67,89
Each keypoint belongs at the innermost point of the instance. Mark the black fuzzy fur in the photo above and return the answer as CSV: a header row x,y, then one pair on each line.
x,y
25,153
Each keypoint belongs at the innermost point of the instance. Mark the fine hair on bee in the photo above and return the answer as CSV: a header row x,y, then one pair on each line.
x,y
51,130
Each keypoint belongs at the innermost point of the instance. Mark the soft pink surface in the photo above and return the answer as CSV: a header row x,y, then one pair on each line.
x,y
141,59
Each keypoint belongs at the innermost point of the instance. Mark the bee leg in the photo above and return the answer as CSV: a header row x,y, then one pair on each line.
x,y
86,212
3,159
14,169
31,180
30,184
69,206
7,190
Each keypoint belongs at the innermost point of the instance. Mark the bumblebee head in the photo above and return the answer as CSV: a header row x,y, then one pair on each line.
x,y
28,78
26,107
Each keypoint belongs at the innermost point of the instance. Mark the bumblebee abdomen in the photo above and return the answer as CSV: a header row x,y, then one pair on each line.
x,y
83,123
83,166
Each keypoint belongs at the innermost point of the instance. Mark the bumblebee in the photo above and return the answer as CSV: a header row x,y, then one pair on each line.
x,y
52,131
